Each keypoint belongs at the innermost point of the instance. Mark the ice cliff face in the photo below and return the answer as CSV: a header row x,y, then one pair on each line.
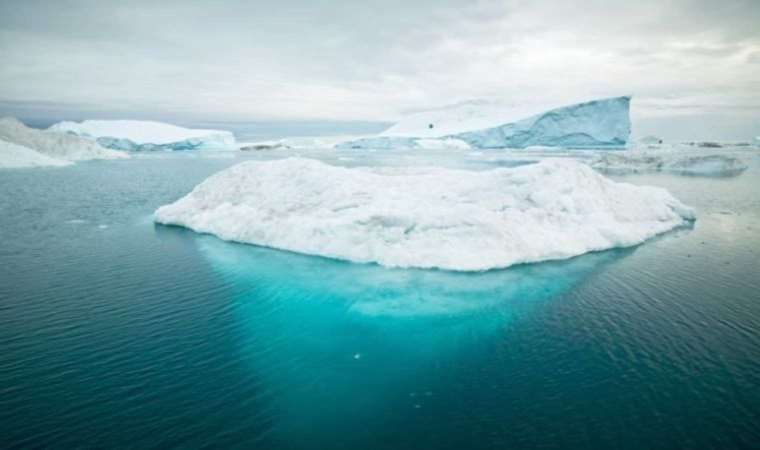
x,y
594,124
599,123
426,217
47,145
136,135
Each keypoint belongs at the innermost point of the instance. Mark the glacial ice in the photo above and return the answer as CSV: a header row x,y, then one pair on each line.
x,y
673,161
49,145
594,124
14,156
138,135
426,217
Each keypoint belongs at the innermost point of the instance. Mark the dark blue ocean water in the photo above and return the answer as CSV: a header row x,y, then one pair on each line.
x,y
115,332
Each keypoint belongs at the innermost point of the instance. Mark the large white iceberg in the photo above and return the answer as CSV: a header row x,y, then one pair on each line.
x,y
146,135
47,145
594,124
428,217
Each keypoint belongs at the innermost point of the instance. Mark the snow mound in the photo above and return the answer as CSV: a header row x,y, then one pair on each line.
x,y
426,217
141,135
54,145
684,164
598,123
14,156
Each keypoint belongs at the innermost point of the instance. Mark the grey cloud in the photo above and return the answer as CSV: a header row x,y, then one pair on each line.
x,y
374,59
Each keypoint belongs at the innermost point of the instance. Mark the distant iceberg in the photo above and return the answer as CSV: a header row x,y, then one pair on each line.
x,y
426,217
628,162
138,135
27,147
13,156
595,124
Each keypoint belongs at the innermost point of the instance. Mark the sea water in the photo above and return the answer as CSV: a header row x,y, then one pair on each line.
x,y
115,332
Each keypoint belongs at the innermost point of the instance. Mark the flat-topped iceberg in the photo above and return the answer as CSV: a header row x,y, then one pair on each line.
x,y
594,124
426,217
34,148
139,135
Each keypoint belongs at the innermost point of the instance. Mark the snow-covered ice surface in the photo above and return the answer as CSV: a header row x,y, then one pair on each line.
x,y
53,145
593,124
13,156
143,135
426,217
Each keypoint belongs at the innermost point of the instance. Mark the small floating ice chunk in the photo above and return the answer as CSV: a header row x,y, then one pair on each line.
x,y
426,217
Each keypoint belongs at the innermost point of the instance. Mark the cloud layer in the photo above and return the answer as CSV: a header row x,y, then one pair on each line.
x,y
376,60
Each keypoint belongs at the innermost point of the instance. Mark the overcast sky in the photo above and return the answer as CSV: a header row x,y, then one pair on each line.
x,y
693,62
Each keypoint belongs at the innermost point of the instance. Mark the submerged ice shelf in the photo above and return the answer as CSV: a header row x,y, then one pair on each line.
x,y
426,217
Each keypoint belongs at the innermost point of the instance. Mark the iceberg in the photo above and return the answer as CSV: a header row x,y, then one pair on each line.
x,y
14,156
48,145
426,217
629,162
594,124
138,135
